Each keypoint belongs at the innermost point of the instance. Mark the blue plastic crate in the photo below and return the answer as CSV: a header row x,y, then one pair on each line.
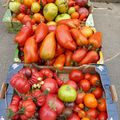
x,y
100,69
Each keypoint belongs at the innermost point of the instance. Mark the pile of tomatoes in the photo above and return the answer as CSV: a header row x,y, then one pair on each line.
x,y
67,44
44,95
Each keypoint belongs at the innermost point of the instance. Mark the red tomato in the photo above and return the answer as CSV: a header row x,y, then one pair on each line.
x,y
82,113
14,109
19,81
72,84
29,111
47,73
92,113
52,100
102,116
50,85
40,98
87,76
50,1
84,85
46,113
98,92
73,117
80,97
59,50
102,105
59,81
15,100
95,80
76,75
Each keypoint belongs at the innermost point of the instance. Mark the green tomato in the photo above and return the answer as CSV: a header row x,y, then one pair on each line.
x,y
35,8
67,93
71,10
14,6
50,11
62,17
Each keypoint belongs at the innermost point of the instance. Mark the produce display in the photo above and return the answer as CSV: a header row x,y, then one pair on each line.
x,y
50,35
45,94
65,44
38,11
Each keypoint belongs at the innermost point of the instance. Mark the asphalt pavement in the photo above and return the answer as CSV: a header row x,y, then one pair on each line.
x,y
107,20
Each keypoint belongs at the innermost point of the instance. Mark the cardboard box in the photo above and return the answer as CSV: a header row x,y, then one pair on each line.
x,y
110,92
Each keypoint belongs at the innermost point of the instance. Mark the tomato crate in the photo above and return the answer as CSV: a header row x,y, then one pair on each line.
x,y
13,26
109,90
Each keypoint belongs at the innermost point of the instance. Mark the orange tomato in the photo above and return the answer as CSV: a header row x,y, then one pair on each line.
x,y
85,118
90,101
81,113
20,16
28,2
75,15
38,18
81,105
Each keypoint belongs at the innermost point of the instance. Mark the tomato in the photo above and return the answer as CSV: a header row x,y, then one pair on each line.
x,y
26,71
46,72
28,3
67,93
53,101
92,113
88,76
25,19
102,105
46,113
59,50
85,118
87,31
20,16
91,57
15,100
76,108
80,97
75,15
79,54
82,113
29,109
84,85
51,28
14,109
48,47
76,75
72,84
50,1
59,62
98,92
102,116
41,32
18,81
95,80
81,105
67,112
39,96
68,61
59,81
35,78
90,101
73,117
50,85
64,38
38,18
31,51
35,8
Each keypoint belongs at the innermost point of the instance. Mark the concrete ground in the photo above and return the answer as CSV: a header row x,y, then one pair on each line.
x,y
107,20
